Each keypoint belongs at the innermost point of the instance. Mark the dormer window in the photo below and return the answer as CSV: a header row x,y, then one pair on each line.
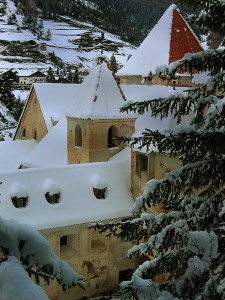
x,y
51,191
100,193
52,198
99,187
19,202
19,195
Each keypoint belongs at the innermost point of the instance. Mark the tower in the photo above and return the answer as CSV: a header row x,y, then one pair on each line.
x,y
96,120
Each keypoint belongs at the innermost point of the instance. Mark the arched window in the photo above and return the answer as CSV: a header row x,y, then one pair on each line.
x,y
78,136
141,164
112,133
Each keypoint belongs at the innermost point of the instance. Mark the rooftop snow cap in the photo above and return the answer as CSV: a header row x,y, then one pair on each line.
x,y
168,41
100,96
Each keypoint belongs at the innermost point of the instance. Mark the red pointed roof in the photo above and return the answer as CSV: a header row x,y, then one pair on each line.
x,y
183,40
167,42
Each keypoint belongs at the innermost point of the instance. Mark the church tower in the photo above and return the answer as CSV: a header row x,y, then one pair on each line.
x,y
97,120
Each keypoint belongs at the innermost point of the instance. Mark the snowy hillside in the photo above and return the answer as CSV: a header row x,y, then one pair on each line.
x,y
69,40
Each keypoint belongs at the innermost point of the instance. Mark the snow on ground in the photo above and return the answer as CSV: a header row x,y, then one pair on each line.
x,y
63,42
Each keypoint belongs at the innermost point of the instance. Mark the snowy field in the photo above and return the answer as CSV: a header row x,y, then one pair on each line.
x,y
62,42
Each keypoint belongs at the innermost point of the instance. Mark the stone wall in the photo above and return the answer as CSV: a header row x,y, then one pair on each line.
x,y
98,258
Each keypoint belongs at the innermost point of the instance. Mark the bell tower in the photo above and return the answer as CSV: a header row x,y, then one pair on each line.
x,y
97,120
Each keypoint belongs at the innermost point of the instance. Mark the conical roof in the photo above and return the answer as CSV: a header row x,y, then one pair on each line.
x,y
100,96
167,42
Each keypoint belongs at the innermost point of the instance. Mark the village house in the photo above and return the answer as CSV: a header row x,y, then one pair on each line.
x,y
26,77
67,171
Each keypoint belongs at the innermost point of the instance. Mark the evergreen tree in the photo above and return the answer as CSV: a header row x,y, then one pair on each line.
x,y
48,35
6,86
184,246
76,76
113,64
50,75
40,28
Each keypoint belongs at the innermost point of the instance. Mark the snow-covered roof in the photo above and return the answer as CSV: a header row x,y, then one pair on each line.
x,y
100,96
78,203
51,150
55,99
168,41
12,153
28,73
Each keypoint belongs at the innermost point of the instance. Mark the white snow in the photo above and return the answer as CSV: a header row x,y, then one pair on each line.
x,y
62,35
101,96
78,203
16,284
51,187
51,150
98,182
153,51
13,152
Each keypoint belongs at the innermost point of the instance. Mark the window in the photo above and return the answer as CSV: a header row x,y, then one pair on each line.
x,y
144,163
112,133
19,202
24,133
78,136
141,164
52,198
35,134
99,193
63,240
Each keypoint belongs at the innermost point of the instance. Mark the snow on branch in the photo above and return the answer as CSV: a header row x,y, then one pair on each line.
x,y
30,251
208,60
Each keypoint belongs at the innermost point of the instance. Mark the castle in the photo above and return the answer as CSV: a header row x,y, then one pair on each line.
x,y
64,170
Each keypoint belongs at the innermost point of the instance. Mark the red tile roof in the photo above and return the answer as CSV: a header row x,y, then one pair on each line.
x,y
183,40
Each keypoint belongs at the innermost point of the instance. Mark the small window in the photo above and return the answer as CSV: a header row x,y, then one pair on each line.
x,y
78,136
144,163
100,193
112,133
63,240
52,198
35,134
19,202
24,132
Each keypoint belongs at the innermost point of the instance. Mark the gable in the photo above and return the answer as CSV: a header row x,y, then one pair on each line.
x,y
183,40
37,74
31,124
